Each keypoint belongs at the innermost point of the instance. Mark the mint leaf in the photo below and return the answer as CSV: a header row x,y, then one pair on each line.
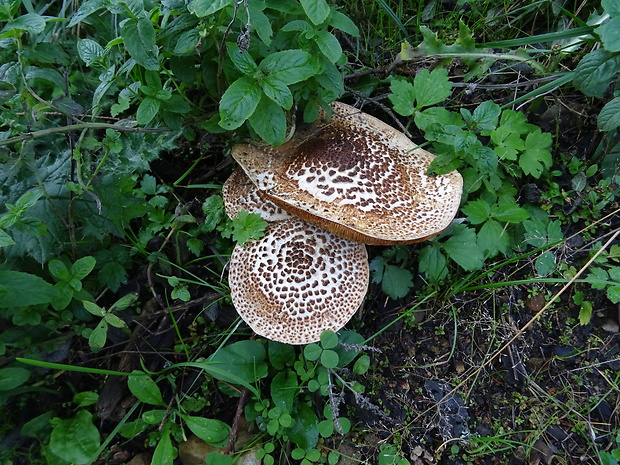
x,y
139,39
242,61
609,117
239,102
316,10
277,91
596,71
273,129
290,66
329,45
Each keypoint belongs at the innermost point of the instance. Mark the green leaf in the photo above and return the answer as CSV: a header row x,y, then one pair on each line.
x,y
329,45
395,281
242,61
316,10
98,336
239,102
536,157
269,122
485,116
596,71
213,432
284,388
341,21
115,321
241,361
609,117
89,51
431,88
203,8
329,339
494,238
477,211
24,289
144,388
610,34
93,308
290,66
112,275
545,263
12,377
86,9
277,91
463,248
164,453
213,207
402,97
30,22
187,42
509,212
5,239
305,432
248,226
432,263
76,439
147,110
611,7
59,270
329,359
139,39
82,267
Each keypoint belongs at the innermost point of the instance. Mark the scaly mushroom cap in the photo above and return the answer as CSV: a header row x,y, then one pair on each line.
x,y
355,176
239,193
297,281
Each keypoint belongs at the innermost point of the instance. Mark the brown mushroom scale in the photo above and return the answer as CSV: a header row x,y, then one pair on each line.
x,y
357,177
297,281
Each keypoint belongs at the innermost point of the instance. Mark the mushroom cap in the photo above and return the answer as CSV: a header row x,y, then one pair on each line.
x,y
239,193
356,176
297,281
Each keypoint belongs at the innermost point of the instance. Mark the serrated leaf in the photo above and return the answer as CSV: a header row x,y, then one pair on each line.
x,y
239,102
30,22
316,10
24,289
123,302
477,211
403,98
432,263
144,388
290,66
112,275
535,159
272,129
609,117
342,22
242,61
203,8
139,40
596,71
485,116
213,207
247,226
610,34
187,42
494,238
277,91
329,45
5,239
431,88
545,263
509,212
462,247
86,9
147,110
89,51
82,267
396,281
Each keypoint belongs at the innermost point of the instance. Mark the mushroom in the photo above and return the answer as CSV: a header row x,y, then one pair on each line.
x,y
298,279
355,176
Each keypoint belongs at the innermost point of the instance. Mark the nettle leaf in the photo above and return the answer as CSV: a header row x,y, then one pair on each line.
x,y
89,51
596,71
139,40
403,99
609,117
316,10
431,88
290,66
463,248
269,122
239,102
610,34
536,158
329,45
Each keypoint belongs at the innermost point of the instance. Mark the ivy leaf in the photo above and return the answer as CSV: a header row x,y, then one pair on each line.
x,y
239,102
536,158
